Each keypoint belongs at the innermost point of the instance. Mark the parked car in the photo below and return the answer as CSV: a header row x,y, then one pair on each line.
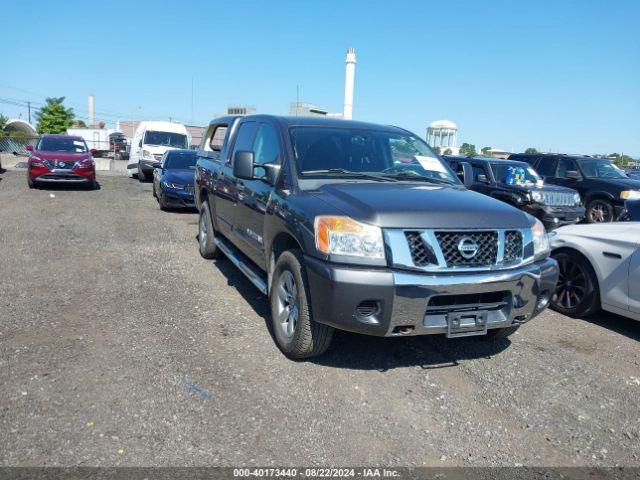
x,y
150,141
518,184
362,227
61,159
173,179
599,269
603,187
633,174
631,212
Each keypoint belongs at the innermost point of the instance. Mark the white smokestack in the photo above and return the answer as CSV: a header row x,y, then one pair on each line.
x,y
350,61
91,111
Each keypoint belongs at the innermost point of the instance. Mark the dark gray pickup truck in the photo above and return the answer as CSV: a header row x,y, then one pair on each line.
x,y
364,228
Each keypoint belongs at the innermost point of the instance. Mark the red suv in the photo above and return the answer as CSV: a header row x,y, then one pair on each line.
x,y
61,159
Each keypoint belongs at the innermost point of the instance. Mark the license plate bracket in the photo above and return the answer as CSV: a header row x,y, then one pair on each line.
x,y
466,324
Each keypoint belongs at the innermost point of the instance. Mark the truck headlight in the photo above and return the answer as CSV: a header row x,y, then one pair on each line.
x,y
540,240
147,155
537,197
630,195
344,236
576,198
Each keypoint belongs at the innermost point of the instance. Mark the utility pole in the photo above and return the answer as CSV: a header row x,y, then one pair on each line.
x,y
192,100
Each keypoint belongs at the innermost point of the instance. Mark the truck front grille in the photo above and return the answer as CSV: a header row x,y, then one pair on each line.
x,y
558,199
446,249
512,246
486,242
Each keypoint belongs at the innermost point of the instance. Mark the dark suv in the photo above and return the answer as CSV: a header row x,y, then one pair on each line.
x,y
518,184
603,187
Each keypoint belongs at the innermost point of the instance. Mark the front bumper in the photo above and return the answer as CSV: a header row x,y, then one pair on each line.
x,y
410,303
62,176
174,198
554,217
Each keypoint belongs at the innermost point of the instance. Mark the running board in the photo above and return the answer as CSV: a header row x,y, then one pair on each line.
x,y
248,270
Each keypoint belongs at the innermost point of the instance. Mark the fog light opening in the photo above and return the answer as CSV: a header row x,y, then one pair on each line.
x,y
403,329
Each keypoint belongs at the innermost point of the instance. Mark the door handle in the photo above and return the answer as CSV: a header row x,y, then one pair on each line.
x,y
612,255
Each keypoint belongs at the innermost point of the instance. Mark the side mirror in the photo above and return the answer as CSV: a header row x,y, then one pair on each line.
x,y
482,178
93,151
467,174
140,143
243,165
573,175
157,165
29,147
273,170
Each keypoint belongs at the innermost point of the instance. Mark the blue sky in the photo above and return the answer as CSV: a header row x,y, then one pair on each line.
x,y
560,75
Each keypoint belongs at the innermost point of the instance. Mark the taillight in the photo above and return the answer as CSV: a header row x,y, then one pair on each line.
x,y
86,163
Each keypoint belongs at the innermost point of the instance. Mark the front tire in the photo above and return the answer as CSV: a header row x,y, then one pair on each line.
x,y
31,183
142,177
296,333
577,293
600,211
206,234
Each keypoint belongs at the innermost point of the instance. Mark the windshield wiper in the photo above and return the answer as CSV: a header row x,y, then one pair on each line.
x,y
419,178
348,173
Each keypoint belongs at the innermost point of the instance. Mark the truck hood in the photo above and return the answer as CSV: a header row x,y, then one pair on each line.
x,y
621,183
402,205
544,188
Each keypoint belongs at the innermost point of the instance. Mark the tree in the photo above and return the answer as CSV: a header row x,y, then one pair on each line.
x,y
437,150
447,152
620,160
3,124
531,150
54,117
79,124
468,150
485,150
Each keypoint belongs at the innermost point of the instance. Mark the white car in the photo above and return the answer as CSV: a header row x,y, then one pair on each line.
x,y
599,268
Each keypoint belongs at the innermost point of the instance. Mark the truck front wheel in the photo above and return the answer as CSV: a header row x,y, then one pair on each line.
x,y
206,234
295,331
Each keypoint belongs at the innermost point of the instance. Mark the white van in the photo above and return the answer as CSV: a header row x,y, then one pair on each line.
x,y
150,142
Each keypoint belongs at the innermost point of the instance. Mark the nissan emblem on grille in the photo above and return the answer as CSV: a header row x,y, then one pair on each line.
x,y
467,247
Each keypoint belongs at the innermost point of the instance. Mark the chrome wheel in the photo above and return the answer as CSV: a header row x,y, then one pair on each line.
x,y
287,304
572,285
599,213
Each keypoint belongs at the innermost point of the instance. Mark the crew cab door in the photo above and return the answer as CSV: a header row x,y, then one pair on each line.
x,y
634,282
226,191
254,195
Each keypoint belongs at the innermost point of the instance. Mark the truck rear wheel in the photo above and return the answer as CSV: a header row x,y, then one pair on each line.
x,y
206,234
296,333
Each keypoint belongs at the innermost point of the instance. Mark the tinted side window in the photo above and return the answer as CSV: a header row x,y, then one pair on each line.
x,y
217,139
244,137
565,165
546,167
266,147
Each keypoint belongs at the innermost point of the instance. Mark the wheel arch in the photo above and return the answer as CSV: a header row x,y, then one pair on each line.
x,y
588,258
281,242
598,195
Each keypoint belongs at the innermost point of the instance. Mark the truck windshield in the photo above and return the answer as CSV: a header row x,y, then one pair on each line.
x,y
331,152
54,144
599,168
180,160
515,174
165,139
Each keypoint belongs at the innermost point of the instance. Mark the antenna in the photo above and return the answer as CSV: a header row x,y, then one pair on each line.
x,y
191,99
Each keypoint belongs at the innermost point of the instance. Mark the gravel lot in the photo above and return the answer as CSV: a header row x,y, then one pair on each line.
x,y
119,345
